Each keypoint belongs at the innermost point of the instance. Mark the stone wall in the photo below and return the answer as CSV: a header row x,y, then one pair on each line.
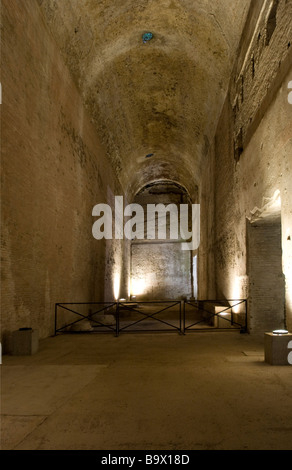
x,y
160,269
205,253
163,269
54,171
253,149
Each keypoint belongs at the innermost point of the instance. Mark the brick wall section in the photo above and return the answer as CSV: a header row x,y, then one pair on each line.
x,y
54,171
266,280
258,66
244,182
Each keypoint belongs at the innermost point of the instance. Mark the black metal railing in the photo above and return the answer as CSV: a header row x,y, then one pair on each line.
x,y
149,316
102,319
215,314
152,316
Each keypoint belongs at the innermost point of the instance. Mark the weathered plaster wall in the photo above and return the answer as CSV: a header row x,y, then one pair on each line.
x,y
164,270
54,171
205,252
250,170
264,169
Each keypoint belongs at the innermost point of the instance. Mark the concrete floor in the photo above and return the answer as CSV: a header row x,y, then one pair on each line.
x,y
204,390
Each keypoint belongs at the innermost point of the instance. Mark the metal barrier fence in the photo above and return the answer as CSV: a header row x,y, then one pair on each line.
x,y
104,318
144,316
151,316
215,314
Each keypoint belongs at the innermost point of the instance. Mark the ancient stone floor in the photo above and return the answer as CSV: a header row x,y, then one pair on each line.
x,y
201,391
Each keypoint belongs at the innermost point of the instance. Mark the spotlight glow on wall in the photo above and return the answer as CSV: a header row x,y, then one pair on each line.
x,y
287,268
129,287
138,286
236,293
117,280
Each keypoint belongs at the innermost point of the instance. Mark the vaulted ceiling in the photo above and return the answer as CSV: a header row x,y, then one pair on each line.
x,y
155,103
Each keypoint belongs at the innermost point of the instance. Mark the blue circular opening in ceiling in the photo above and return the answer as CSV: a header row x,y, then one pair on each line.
x,y
147,36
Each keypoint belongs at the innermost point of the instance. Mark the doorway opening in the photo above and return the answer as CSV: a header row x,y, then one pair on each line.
x,y
160,269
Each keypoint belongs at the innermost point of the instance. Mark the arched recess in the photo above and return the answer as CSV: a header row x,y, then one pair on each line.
x,y
160,268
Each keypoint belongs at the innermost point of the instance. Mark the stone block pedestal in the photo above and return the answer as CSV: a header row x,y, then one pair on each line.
x,y
276,348
25,342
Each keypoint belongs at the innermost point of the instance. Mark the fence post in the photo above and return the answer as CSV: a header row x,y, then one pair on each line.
x,y
245,315
117,319
56,306
183,307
